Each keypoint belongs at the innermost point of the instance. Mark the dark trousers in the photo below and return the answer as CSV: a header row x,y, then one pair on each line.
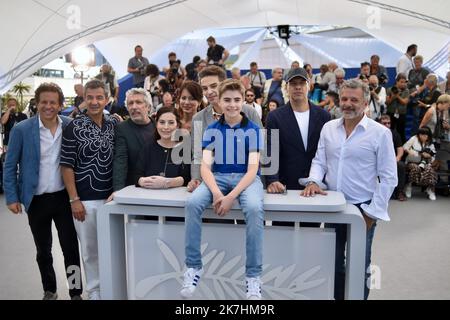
x,y
340,265
415,118
399,124
43,210
401,175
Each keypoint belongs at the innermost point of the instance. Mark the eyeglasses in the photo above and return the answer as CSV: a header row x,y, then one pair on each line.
x,y
250,95
385,123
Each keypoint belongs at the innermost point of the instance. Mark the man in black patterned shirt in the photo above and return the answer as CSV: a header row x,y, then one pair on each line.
x,y
86,164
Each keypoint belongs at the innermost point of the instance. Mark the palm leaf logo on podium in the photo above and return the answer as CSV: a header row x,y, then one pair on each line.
x,y
225,279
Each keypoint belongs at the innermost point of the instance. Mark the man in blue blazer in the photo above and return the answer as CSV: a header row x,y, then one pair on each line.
x,y
32,178
299,123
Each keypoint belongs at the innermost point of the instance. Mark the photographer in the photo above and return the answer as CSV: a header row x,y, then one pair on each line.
x,y
377,98
396,102
257,81
151,83
191,69
429,95
10,118
136,66
322,83
417,76
364,73
172,59
108,77
378,70
416,85
420,165
174,77
31,109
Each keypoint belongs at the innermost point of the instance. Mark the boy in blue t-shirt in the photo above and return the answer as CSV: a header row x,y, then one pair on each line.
x,y
230,170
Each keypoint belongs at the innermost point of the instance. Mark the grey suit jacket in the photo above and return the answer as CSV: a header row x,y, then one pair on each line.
x,y
200,122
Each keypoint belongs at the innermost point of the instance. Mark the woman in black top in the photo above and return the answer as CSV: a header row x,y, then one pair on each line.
x,y
161,160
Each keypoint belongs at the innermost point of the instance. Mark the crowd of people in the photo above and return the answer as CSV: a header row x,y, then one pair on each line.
x,y
324,132
415,91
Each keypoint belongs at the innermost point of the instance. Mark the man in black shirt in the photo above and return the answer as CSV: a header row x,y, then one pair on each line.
x,y
86,165
399,193
216,53
10,118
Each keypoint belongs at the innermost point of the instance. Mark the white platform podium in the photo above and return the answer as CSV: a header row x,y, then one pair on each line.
x,y
144,259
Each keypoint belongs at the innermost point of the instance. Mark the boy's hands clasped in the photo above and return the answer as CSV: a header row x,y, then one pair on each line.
x,y
222,204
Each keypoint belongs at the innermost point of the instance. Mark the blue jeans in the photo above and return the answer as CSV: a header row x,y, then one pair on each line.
x,y
251,201
339,268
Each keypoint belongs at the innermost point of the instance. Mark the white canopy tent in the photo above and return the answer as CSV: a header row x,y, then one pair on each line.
x,y
34,32
188,47
317,50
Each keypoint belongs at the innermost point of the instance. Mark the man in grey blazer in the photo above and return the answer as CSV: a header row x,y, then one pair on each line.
x,y
32,178
210,78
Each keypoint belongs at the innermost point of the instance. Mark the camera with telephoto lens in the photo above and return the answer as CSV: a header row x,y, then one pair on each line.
x,y
425,161
363,77
429,151
155,92
395,90
174,66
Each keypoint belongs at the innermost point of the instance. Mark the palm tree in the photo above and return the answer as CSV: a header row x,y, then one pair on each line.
x,y
20,89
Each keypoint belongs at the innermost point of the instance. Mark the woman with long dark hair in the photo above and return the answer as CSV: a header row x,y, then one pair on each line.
x,y
419,162
190,100
161,161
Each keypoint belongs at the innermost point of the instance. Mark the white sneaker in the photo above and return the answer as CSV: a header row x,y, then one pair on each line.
x,y
408,190
431,194
253,288
190,281
94,295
